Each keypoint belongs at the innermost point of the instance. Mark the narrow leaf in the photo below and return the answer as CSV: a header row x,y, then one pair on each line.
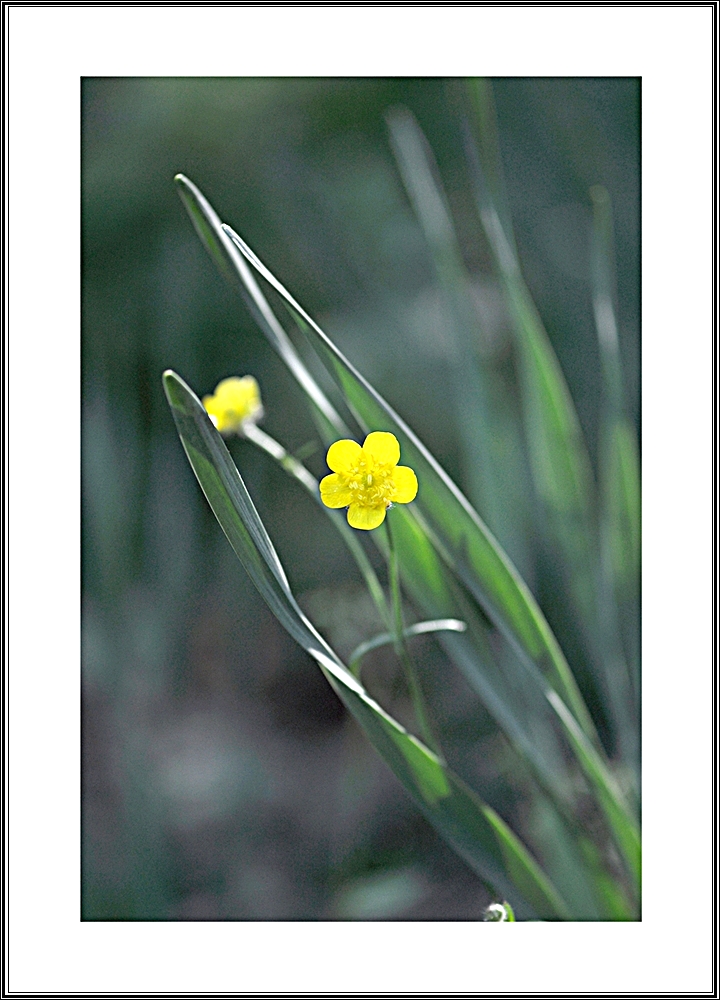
x,y
516,701
483,566
513,702
472,551
558,456
519,707
619,460
388,638
488,426
234,268
472,827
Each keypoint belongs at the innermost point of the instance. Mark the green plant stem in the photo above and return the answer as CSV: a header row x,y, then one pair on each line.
x,y
418,699
298,471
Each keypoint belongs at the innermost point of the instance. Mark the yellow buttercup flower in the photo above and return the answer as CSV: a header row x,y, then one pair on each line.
x,y
235,401
367,480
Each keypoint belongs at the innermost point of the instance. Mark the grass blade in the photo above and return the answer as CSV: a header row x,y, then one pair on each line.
x,y
619,461
489,431
479,91
503,688
528,710
519,708
517,613
514,696
471,550
559,461
482,565
387,638
233,267
472,827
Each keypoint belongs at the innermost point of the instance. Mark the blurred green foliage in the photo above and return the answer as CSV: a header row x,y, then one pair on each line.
x,y
222,778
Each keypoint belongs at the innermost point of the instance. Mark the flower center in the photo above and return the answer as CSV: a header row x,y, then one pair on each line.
x,y
371,489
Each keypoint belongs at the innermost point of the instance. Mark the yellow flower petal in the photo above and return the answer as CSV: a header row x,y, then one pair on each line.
x,y
406,484
383,447
234,401
334,491
343,456
367,480
217,413
227,388
366,518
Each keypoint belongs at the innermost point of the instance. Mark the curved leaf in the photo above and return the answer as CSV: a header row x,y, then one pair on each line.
x,y
520,709
473,553
469,547
388,638
234,269
472,827
523,710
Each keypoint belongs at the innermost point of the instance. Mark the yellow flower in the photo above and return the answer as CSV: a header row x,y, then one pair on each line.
x,y
235,401
367,480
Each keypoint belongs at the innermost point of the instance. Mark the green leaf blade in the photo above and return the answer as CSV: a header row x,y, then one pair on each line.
x,y
473,553
233,267
483,567
472,828
488,427
559,460
619,457
519,709
463,540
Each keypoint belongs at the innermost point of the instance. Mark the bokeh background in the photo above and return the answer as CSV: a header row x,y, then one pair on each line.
x,y
222,778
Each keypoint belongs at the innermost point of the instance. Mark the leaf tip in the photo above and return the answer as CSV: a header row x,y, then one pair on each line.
x,y
185,187
173,385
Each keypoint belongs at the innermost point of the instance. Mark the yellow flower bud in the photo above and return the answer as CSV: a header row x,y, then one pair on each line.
x,y
234,402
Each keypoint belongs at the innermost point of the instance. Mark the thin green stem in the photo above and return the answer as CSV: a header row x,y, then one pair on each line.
x,y
418,699
392,618
298,471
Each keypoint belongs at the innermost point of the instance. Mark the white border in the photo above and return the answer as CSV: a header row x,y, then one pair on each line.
x,y
50,47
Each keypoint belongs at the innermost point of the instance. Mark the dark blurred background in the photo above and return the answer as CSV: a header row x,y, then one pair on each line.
x,y
222,778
